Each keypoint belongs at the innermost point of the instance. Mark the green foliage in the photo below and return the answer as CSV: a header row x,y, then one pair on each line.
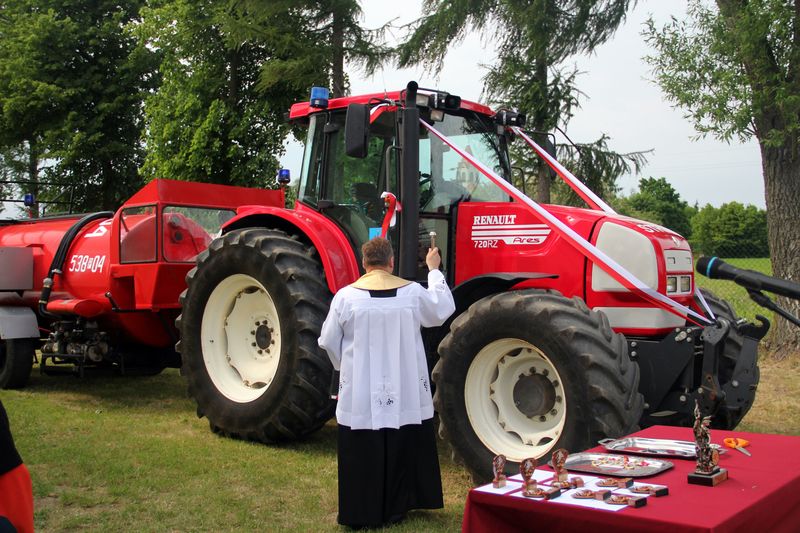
x,y
731,230
533,41
208,121
324,35
657,201
732,67
71,87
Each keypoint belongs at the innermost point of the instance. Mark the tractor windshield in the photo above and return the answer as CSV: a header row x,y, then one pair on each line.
x,y
446,178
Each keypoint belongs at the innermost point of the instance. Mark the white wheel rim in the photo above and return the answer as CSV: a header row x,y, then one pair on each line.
x,y
498,370
241,338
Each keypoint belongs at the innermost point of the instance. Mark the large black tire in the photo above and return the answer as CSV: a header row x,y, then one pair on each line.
x,y
274,384
490,401
16,361
733,347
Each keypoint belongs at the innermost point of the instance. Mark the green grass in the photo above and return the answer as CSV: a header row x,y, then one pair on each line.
x,y
735,294
129,454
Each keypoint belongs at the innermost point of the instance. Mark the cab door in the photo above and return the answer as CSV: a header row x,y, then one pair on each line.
x,y
347,189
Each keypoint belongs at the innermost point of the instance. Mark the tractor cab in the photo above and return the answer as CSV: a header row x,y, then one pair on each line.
x,y
358,148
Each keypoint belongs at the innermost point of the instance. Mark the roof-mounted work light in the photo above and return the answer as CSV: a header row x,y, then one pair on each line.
x,y
28,200
504,117
444,101
319,97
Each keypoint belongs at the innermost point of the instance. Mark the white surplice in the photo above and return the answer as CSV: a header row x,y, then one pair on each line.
x,y
376,345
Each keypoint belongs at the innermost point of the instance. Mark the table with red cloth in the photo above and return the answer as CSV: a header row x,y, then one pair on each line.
x,y
762,493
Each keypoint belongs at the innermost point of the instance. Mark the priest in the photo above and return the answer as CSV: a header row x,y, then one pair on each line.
x,y
387,456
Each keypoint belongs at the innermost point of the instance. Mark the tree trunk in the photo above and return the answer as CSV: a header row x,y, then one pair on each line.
x,y
540,124
781,166
337,57
33,175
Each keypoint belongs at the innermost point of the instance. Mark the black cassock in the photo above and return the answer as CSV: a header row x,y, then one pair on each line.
x,y
383,473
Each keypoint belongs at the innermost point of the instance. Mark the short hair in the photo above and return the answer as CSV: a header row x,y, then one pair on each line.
x,y
377,252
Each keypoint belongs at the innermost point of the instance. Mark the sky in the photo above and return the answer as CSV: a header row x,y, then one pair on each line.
x,y
620,101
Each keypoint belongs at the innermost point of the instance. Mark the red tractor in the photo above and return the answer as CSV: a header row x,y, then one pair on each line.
x,y
548,347
101,290
545,350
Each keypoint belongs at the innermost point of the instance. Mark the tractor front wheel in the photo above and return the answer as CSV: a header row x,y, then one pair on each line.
x,y
526,372
251,316
16,361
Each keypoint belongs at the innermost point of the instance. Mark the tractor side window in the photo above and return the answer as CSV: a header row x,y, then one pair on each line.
x,y
187,231
311,174
137,234
354,185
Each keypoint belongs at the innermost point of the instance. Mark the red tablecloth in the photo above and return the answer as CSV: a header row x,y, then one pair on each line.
x,y
761,494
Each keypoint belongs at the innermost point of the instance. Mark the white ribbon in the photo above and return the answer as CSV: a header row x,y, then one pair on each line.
x,y
597,256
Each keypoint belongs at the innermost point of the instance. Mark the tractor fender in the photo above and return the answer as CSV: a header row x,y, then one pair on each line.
x,y
472,290
18,323
333,247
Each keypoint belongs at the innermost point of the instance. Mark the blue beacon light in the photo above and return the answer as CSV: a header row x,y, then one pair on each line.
x,y
319,97
284,176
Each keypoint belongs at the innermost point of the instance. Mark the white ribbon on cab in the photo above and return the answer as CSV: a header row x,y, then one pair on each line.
x,y
597,256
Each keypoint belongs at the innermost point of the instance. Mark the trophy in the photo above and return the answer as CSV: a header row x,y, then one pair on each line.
x,y
561,478
498,465
526,469
530,488
707,472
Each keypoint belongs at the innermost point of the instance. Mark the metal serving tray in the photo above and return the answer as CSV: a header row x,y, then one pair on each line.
x,y
683,449
607,464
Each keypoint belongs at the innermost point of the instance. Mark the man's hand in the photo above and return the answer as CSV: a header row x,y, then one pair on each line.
x,y
433,260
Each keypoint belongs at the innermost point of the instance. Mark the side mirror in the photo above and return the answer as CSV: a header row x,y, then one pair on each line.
x,y
356,130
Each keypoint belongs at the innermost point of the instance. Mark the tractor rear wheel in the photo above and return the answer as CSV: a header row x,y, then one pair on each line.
x,y
727,364
251,316
523,373
16,361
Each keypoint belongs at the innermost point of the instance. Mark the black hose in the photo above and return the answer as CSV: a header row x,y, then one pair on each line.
x,y
61,256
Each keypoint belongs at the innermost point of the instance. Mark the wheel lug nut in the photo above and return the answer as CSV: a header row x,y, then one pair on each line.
x,y
542,418
545,372
559,399
554,412
261,351
253,332
252,344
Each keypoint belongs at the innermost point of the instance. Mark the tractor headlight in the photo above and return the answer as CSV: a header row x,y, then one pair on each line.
x,y
631,250
686,283
672,284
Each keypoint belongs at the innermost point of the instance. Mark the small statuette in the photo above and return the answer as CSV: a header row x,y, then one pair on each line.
x,y
622,483
526,470
498,465
559,460
707,472
561,477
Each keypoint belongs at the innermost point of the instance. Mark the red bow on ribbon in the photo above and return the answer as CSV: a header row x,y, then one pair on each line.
x,y
392,207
